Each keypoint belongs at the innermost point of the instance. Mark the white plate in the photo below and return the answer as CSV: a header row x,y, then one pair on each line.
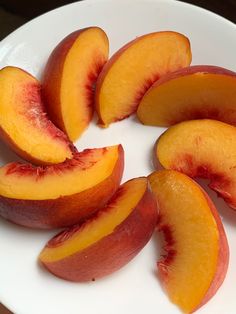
x,y
26,288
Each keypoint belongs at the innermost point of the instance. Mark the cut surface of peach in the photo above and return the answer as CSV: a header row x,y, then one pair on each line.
x,y
195,92
24,125
132,70
196,249
202,148
69,78
109,240
63,194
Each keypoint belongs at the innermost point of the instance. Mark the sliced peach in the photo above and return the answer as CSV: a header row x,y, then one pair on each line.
x,y
197,253
69,78
24,125
195,92
202,148
63,194
132,70
107,242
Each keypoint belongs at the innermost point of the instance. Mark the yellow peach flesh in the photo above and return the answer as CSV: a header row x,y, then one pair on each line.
x,y
133,69
100,227
77,68
58,183
190,96
22,119
202,148
195,236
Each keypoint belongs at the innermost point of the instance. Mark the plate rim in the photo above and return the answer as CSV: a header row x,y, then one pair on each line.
x,y
175,2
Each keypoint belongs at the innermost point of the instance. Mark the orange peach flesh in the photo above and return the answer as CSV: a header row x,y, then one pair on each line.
x,y
191,93
202,148
69,76
108,241
23,122
60,195
196,248
132,70
85,170
96,229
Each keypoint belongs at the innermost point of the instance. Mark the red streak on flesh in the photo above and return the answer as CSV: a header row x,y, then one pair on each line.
x,y
34,111
63,236
209,112
168,258
82,160
139,95
90,85
218,181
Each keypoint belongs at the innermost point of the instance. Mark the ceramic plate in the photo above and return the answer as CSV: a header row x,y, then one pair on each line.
x,y
26,288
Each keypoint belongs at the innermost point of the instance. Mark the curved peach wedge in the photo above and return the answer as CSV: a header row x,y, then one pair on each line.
x,y
69,77
195,92
24,125
131,71
197,253
60,195
202,148
109,240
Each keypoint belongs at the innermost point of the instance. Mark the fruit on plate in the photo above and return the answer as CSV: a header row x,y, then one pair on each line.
x,y
202,148
132,70
107,241
196,250
60,195
24,125
195,92
69,79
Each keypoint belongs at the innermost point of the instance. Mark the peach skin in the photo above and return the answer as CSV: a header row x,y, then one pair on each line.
x,y
109,240
60,195
131,71
69,79
195,92
24,125
196,250
202,148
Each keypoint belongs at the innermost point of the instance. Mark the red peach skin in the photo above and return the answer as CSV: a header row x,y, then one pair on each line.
x,y
70,76
81,254
60,195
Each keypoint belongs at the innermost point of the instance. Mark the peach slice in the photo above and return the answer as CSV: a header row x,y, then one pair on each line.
x,y
132,70
202,148
197,253
191,93
69,78
24,125
60,195
108,241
